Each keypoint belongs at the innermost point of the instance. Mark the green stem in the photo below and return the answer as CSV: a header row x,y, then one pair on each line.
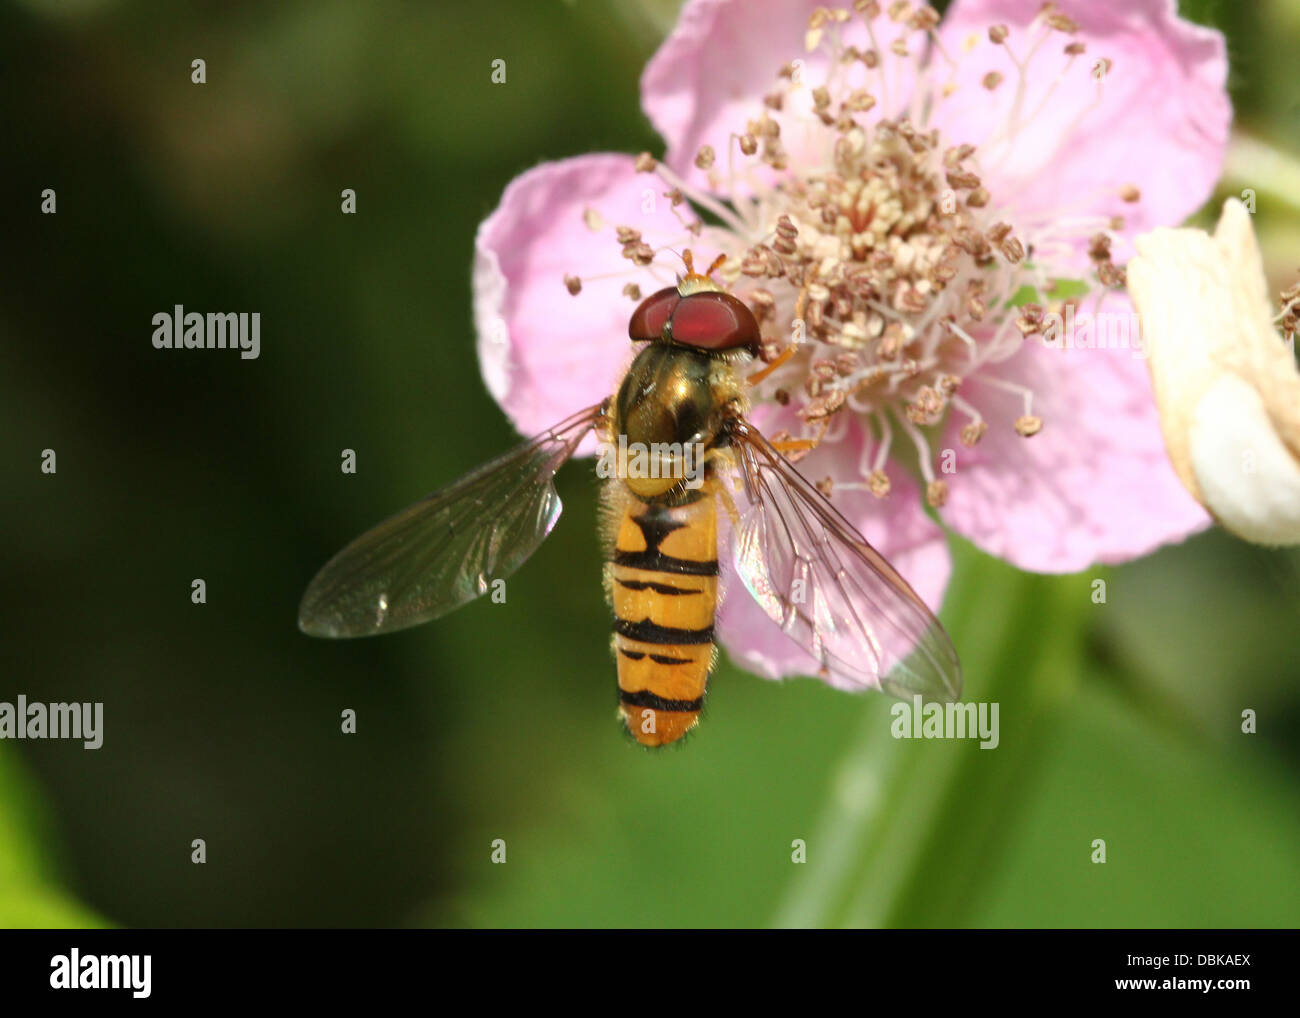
x,y
1255,164
911,826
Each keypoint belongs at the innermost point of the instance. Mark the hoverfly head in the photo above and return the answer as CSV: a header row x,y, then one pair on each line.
x,y
697,312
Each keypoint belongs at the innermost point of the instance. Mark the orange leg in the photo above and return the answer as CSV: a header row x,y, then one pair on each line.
x,y
800,305
728,503
763,372
795,445
801,445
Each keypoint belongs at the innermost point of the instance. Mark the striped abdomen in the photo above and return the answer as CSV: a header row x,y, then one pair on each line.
x,y
664,581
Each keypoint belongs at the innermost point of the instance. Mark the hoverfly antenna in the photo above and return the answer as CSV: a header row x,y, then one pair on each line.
x,y
694,282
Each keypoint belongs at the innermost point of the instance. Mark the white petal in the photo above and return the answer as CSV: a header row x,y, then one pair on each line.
x,y
1226,384
1247,476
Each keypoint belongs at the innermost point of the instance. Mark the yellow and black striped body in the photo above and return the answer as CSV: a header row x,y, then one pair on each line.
x,y
664,588
662,534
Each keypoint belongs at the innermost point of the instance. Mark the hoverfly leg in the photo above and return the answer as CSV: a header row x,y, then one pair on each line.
x,y
728,503
780,359
801,446
800,304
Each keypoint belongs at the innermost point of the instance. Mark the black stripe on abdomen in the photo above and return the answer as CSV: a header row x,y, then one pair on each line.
x,y
667,589
659,659
645,698
651,632
658,562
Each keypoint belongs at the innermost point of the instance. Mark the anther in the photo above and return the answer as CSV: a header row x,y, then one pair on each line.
x,y
971,433
924,19
1060,23
1112,275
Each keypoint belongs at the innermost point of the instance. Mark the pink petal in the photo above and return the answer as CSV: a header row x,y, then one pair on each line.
x,y
708,79
1161,122
545,353
1093,486
896,526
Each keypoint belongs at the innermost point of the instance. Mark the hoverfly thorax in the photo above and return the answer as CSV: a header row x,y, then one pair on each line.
x,y
676,392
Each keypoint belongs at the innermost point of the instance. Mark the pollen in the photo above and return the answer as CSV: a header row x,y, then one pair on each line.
x,y
1288,315
1028,425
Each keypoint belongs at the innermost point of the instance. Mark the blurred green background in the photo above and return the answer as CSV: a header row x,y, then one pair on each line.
x,y
1119,721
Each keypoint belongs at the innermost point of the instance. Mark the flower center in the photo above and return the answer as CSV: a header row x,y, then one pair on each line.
x,y
877,251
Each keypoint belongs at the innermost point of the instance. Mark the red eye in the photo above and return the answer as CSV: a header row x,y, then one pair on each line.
x,y
714,321
652,314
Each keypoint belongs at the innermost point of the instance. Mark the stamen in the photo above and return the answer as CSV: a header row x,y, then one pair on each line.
x,y
922,450
886,441
871,11
1024,393
701,199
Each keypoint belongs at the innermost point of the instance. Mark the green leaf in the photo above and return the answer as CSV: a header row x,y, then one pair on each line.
x,y
29,892
1064,289
1025,295
1060,289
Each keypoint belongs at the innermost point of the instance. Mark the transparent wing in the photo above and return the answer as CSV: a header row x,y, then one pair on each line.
x,y
831,592
446,550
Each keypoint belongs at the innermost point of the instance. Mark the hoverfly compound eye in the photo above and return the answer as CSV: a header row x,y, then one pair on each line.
x,y
652,314
713,320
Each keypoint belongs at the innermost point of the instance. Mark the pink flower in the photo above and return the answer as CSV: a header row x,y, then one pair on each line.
x,y
895,196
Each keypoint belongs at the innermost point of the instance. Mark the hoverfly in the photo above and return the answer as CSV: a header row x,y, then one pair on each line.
x,y
681,408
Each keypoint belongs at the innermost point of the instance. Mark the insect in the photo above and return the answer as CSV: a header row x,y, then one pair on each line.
x,y
675,444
